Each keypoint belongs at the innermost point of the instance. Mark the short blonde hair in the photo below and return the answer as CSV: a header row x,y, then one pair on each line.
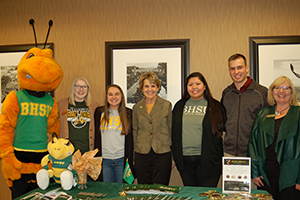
x,y
152,77
278,81
87,98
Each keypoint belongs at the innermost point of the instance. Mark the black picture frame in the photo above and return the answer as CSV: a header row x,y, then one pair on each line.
x,y
9,50
24,47
256,42
112,46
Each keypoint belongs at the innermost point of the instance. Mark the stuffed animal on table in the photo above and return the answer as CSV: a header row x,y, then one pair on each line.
x,y
26,118
60,157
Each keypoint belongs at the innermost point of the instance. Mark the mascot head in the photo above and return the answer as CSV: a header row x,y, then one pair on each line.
x,y
60,148
37,70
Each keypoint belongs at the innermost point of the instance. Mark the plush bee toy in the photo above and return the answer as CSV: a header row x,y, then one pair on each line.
x,y
26,118
60,157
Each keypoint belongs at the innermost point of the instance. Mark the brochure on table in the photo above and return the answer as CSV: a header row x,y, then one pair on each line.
x,y
236,175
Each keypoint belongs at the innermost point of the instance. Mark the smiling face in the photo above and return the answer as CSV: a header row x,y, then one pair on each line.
x,y
238,71
195,88
282,93
114,98
80,90
149,90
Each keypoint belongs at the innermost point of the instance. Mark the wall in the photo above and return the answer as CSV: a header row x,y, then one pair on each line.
x,y
216,29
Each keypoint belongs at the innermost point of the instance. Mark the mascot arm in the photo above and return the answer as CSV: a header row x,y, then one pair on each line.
x,y
45,161
8,122
53,121
44,164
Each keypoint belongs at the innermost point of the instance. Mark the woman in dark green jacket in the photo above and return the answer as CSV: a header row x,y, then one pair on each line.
x,y
274,143
197,126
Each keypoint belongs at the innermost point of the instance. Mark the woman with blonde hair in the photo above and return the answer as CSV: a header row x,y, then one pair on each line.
x,y
274,143
76,114
152,123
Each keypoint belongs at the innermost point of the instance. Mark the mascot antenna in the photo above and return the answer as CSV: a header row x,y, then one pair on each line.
x,y
31,22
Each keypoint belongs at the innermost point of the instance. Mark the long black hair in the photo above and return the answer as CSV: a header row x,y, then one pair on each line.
x,y
217,114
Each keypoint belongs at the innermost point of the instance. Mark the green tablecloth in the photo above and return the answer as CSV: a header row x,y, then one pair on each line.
x,y
112,190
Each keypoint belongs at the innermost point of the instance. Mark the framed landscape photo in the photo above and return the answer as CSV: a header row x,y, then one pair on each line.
x,y
10,56
271,57
126,60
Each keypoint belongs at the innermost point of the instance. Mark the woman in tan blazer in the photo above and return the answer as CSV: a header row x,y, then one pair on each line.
x,y
152,122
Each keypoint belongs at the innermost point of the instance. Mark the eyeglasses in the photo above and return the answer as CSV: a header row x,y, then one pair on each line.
x,y
84,87
284,88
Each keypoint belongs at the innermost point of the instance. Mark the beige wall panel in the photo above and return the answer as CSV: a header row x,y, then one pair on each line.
x,y
5,191
216,29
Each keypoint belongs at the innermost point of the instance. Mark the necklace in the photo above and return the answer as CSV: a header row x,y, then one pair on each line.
x,y
277,112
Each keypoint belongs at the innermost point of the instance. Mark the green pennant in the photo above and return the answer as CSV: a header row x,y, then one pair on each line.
x,y
127,174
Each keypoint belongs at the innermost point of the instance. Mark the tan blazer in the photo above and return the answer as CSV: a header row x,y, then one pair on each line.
x,y
154,129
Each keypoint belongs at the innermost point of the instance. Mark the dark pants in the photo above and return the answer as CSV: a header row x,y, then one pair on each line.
x,y
25,184
153,168
290,193
191,173
273,173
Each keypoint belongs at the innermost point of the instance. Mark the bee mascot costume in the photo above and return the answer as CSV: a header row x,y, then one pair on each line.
x,y
26,118
60,156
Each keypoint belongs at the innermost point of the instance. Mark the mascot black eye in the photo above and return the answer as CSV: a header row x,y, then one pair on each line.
x,y
68,144
30,55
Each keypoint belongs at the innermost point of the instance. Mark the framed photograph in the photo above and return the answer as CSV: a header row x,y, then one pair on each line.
x,y
126,61
10,56
271,57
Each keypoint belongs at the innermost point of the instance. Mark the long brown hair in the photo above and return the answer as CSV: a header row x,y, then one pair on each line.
x,y
125,121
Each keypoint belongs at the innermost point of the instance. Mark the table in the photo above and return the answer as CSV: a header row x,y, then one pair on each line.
x,y
112,190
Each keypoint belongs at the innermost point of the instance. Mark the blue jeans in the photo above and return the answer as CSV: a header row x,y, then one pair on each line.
x,y
112,170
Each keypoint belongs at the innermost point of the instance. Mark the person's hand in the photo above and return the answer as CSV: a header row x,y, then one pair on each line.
x,y
173,164
297,186
258,181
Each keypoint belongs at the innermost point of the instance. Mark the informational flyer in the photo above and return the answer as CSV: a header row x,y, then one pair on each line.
x,y
236,175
